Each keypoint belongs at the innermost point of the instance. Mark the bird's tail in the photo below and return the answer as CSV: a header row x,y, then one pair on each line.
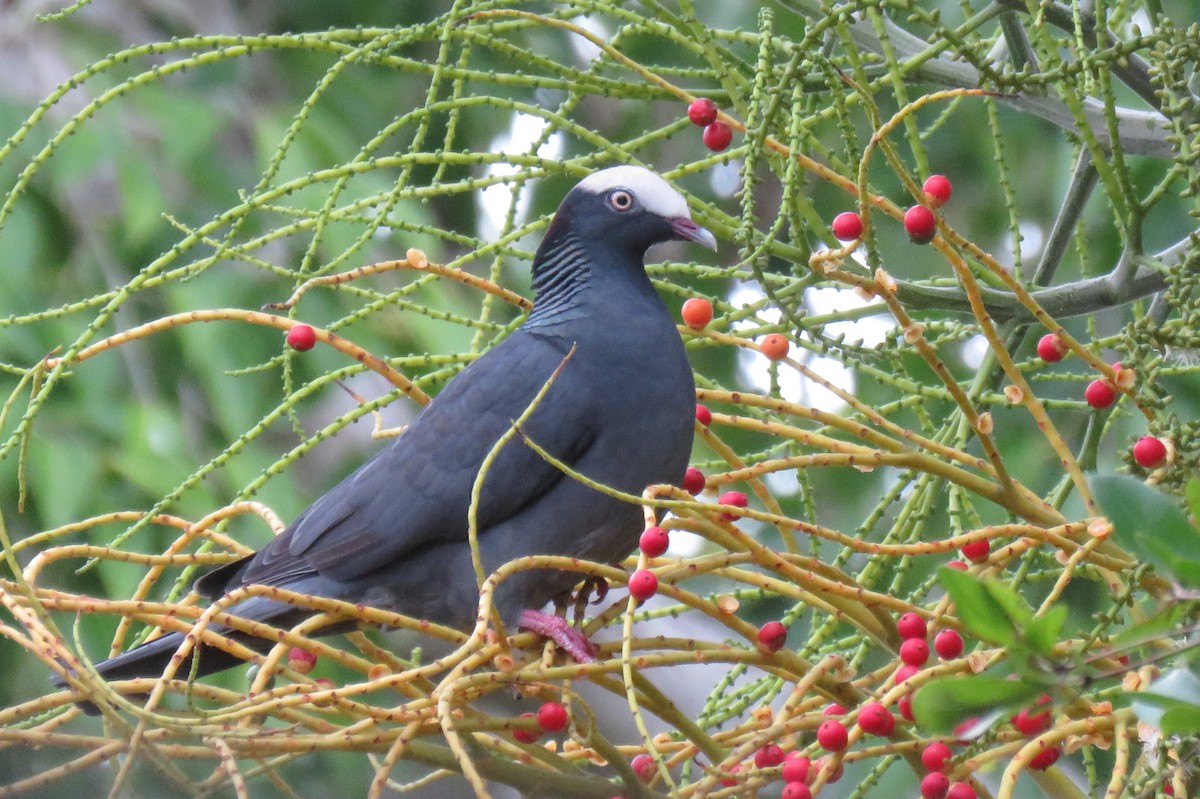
x,y
151,659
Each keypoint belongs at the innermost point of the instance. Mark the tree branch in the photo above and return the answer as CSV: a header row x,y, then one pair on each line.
x,y
1070,299
1140,132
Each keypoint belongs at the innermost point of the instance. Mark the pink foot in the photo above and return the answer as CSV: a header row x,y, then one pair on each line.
x,y
569,639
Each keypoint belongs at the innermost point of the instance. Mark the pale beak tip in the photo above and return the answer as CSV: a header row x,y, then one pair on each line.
x,y
689,231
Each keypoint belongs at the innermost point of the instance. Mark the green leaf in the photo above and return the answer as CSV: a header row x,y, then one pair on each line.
x,y
980,613
943,704
1020,615
1133,507
1188,572
994,612
1192,492
1042,633
1181,720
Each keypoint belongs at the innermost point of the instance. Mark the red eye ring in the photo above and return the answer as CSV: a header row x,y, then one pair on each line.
x,y
620,200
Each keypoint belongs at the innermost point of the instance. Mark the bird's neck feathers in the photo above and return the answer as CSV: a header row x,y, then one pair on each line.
x,y
567,272
561,269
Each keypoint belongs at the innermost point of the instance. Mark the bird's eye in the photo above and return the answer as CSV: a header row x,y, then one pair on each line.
x,y
621,200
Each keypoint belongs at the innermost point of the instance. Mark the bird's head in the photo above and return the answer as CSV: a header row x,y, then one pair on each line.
x,y
630,208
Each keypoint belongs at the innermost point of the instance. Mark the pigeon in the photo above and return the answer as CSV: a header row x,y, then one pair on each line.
x,y
394,533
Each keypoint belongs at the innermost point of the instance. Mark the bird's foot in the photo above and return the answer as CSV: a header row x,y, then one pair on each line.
x,y
593,585
556,628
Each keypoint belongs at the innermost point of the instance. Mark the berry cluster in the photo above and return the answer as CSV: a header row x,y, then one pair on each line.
x,y
1150,452
842,726
717,133
920,223
914,652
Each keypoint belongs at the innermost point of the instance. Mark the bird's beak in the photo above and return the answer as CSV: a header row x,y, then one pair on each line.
x,y
688,230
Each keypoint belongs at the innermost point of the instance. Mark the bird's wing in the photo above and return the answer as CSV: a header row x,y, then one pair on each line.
x,y
417,491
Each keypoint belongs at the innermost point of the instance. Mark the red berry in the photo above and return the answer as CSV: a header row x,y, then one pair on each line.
x,y
847,226
696,313
948,644
301,660
876,719
958,564
772,636
938,188
911,625
934,756
934,785
643,766
1149,452
693,480
643,584
553,717
1045,759
654,541
920,224
1031,724
905,707
905,672
1100,393
702,111
731,780
1051,349
835,773
832,735
774,346
977,551
523,735
301,337
796,767
768,756
833,709
961,790
796,790
717,136
703,415
735,498
914,652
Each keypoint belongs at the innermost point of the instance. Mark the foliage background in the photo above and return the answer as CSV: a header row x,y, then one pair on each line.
x,y
115,196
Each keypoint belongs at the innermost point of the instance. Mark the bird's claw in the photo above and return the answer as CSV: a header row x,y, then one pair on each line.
x,y
597,585
556,628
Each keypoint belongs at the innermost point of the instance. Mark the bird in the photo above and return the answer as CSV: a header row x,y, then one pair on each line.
x,y
394,534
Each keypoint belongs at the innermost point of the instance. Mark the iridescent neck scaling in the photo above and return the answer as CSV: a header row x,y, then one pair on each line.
x,y
559,276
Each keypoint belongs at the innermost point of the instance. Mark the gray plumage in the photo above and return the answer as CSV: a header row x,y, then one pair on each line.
x,y
393,534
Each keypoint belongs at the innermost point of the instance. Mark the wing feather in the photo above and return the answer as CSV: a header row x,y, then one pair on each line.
x,y
416,492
